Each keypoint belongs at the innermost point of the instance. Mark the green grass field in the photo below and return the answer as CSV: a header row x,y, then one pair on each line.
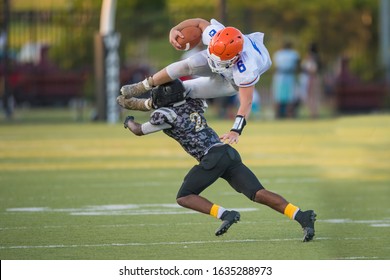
x,y
95,191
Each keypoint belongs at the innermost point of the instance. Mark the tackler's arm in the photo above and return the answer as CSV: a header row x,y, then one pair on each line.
x,y
143,129
133,126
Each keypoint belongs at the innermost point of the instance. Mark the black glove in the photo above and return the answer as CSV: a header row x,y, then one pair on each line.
x,y
128,118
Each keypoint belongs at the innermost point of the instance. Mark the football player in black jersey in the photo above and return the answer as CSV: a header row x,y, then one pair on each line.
x,y
183,120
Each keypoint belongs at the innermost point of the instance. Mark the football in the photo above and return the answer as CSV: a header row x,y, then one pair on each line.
x,y
192,36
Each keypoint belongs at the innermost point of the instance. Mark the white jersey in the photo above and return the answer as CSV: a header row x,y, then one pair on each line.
x,y
254,59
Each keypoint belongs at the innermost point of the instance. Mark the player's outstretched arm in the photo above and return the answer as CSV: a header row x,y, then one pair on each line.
x,y
145,128
175,31
246,97
133,126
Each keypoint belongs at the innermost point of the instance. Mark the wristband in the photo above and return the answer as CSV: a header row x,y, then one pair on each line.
x,y
239,124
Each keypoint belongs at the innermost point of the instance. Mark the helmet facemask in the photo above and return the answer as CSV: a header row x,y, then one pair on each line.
x,y
219,66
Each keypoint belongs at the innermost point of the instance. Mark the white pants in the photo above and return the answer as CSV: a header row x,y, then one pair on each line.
x,y
207,84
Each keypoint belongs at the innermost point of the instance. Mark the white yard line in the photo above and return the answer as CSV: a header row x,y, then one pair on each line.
x,y
154,243
117,209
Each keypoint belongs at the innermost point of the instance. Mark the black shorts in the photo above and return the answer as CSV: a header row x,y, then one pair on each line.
x,y
221,162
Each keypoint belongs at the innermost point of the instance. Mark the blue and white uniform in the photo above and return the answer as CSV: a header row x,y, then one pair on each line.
x,y
253,62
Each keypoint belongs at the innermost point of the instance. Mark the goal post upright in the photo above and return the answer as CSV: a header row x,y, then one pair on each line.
x,y
107,64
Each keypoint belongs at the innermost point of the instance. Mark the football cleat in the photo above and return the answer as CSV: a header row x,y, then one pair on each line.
x,y
228,218
135,90
308,225
134,103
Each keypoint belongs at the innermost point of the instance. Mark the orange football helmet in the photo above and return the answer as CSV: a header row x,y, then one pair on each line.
x,y
224,49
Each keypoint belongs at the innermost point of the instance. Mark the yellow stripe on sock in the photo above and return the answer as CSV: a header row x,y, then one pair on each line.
x,y
290,211
214,210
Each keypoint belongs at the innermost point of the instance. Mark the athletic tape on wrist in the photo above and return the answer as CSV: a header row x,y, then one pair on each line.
x,y
239,124
147,106
148,83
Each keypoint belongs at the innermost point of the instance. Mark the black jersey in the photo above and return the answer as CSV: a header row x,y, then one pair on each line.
x,y
188,126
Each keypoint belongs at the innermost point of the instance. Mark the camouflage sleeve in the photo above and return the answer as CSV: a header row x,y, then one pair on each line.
x,y
160,119
163,116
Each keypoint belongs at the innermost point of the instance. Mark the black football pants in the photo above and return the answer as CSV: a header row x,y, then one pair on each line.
x,y
221,162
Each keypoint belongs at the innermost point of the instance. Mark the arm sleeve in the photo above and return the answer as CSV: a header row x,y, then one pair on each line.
x,y
148,128
160,119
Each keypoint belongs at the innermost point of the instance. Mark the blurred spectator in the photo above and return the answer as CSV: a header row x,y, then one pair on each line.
x,y
3,40
286,62
309,80
256,104
229,105
30,53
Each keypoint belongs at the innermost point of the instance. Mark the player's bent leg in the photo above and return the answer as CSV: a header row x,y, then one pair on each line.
x,y
195,65
209,87
137,104
195,202
202,205
272,200
305,218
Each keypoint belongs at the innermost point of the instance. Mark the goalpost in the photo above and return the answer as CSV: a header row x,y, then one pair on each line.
x,y
107,64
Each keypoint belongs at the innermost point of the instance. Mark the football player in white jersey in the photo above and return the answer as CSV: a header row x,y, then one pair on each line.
x,y
232,63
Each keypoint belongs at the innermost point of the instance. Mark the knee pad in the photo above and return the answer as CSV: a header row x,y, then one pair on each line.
x,y
178,69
